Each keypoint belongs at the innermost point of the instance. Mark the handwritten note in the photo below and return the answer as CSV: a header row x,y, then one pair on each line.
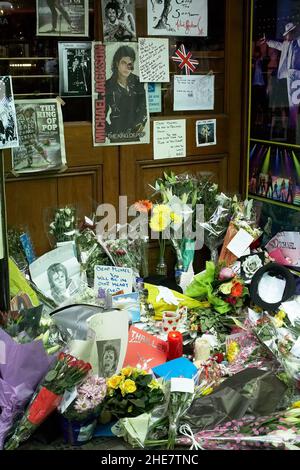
x,y
169,139
154,97
194,92
113,279
154,60
177,18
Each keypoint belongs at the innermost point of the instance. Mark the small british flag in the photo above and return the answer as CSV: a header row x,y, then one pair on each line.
x,y
184,60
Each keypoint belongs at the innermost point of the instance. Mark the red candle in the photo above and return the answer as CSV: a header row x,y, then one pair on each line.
x,y
175,345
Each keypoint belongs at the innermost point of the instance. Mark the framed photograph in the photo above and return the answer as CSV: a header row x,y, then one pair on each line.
x,y
41,135
119,23
74,68
62,18
8,124
206,133
177,18
120,100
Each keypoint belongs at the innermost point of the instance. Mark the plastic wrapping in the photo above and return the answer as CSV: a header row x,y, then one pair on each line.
x,y
215,227
61,225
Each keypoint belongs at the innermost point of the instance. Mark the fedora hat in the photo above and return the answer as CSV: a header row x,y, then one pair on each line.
x,y
288,28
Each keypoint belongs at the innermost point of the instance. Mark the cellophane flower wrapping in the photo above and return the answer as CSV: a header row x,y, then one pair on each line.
x,y
66,373
279,430
243,217
22,367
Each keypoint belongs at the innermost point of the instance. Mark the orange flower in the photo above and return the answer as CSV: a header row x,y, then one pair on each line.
x,y
143,205
237,289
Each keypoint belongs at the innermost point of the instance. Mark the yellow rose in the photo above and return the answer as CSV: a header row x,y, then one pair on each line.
x,y
296,404
278,318
232,351
128,386
127,371
154,385
114,381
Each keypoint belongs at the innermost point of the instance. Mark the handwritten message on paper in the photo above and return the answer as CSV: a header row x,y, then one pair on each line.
x,y
113,279
154,60
178,18
169,139
194,92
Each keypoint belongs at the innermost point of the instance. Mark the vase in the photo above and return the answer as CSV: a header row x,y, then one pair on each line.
x,y
161,267
77,432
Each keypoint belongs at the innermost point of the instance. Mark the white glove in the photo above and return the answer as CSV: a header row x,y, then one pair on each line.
x,y
167,295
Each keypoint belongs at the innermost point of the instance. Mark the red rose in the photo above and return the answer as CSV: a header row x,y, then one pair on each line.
x,y
219,357
237,289
231,300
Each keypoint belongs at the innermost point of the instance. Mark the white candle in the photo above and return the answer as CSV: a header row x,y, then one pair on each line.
x,y
202,350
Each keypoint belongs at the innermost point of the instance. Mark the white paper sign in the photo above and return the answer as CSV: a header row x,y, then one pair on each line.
x,y
169,139
113,279
177,17
154,60
240,242
194,92
182,385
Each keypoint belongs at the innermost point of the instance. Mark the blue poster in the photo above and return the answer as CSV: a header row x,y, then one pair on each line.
x,y
154,97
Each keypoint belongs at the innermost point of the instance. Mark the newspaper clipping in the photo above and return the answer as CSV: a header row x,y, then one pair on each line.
x,y
74,68
120,100
118,20
62,17
41,135
8,125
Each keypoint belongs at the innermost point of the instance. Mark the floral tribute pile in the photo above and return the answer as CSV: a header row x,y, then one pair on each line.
x,y
205,360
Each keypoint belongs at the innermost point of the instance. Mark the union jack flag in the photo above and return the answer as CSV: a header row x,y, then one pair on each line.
x,y
184,60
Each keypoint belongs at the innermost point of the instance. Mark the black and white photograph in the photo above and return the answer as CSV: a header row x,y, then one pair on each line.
x,y
126,98
57,273
118,17
8,125
206,132
177,17
41,136
108,355
62,17
74,68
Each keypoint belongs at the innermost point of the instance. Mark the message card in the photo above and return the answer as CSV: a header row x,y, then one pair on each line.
x,y
154,60
113,279
193,92
169,139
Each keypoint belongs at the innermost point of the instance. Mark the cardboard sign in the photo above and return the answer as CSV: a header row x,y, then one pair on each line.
x,y
113,279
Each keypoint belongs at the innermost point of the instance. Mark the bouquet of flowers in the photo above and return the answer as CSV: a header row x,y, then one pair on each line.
x,y
243,217
182,193
267,432
90,253
220,288
64,375
180,402
90,395
132,392
63,226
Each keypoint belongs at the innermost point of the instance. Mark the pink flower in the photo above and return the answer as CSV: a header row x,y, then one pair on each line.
x,y
226,273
